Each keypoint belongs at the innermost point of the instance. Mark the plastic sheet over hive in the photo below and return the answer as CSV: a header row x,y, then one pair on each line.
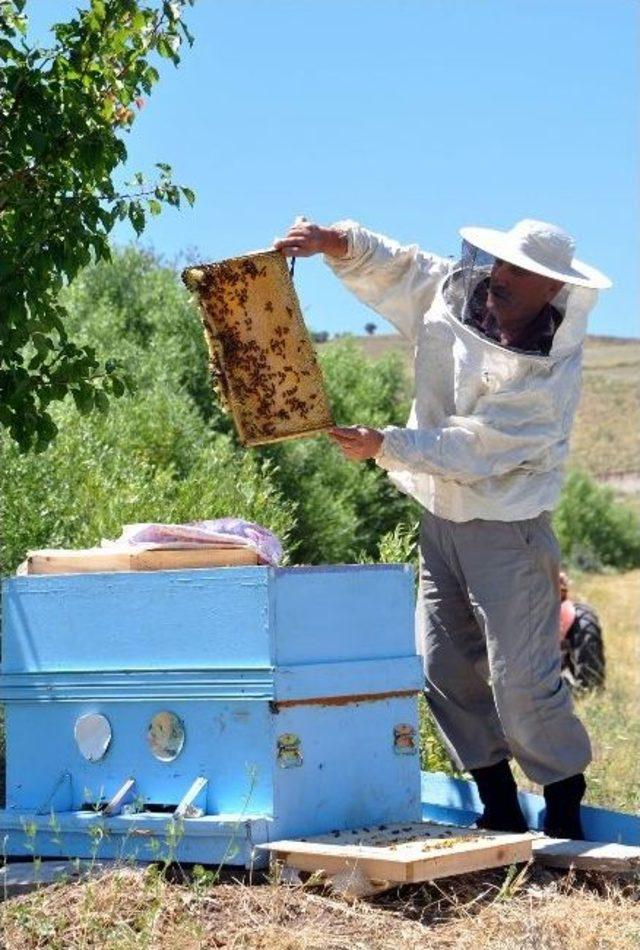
x,y
260,349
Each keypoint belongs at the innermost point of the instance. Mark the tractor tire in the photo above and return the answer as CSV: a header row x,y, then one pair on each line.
x,y
583,660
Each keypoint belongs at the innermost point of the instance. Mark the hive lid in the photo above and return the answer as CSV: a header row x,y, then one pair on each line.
x,y
260,349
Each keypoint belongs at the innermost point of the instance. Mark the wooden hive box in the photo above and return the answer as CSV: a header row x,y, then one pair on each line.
x,y
260,349
250,702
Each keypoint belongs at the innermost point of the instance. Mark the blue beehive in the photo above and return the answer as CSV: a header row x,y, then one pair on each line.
x,y
249,703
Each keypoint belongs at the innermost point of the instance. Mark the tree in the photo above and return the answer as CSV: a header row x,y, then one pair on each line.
x,y
370,328
63,114
319,336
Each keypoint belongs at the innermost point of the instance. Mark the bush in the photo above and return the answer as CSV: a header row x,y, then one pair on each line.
x,y
343,509
593,530
136,308
151,458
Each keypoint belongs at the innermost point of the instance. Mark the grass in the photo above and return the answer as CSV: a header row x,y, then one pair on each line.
x,y
131,908
612,716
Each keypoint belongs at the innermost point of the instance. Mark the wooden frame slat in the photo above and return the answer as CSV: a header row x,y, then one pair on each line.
x,y
106,559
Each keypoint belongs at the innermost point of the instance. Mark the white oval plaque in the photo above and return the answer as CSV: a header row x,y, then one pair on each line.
x,y
92,734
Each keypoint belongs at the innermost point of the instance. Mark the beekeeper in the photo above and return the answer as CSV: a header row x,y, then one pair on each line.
x,y
498,340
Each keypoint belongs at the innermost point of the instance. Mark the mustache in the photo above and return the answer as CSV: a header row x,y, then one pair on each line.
x,y
501,293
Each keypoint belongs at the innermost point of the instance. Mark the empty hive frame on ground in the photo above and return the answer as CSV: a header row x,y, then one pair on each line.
x,y
260,349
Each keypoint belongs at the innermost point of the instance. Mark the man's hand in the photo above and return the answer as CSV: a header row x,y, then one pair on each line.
x,y
305,239
357,443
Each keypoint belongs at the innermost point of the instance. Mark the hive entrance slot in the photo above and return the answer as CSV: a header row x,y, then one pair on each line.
x,y
100,806
159,808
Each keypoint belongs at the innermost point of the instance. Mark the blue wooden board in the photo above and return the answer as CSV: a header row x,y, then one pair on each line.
x,y
346,612
230,617
351,768
457,801
231,744
219,840
131,620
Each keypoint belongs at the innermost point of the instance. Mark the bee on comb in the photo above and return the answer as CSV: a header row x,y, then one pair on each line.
x,y
262,357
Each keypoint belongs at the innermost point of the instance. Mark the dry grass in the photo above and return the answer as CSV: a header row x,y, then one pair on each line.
x,y
605,437
496,909
612,716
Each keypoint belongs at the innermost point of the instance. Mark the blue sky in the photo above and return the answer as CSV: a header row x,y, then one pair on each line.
x,y
414,117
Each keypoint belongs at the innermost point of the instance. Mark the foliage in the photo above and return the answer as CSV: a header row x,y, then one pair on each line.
x,y
158,454
343,509
63,113
400,545
433,755
593,530
151,458
137,305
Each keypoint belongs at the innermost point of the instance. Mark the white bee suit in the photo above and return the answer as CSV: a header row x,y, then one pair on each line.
x,y
489,428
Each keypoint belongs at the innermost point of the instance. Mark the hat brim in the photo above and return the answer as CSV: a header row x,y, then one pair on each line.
x,y
498,243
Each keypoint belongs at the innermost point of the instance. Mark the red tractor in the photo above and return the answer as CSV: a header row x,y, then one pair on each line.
x,y
583,662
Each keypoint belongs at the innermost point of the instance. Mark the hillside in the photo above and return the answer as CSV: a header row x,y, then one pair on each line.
x,y
606,435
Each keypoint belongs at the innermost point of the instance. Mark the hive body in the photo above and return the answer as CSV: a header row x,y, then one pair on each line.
x,y
295,689
260,348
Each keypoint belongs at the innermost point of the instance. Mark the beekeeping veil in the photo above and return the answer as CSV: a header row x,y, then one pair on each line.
x,y
532,245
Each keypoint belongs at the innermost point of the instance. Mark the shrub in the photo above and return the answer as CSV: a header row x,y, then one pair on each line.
x,y
343,509
151,458
593,530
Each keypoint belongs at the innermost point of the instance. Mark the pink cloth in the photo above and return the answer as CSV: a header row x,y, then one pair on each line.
x,y
567,616
221,532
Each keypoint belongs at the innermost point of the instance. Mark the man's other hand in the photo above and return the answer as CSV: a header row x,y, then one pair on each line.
x,y
357,443
305,239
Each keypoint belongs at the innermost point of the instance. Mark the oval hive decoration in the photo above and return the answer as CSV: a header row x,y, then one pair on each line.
x,y
260,349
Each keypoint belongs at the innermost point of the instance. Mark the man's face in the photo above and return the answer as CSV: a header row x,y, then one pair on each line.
x,y
517,296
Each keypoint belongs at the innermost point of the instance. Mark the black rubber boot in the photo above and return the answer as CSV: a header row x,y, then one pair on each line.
x,y
499,795
562,817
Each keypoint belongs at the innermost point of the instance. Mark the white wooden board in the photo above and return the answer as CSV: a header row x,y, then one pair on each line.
x,y
587,855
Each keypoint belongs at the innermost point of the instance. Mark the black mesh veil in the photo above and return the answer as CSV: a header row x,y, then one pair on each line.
x,y
465,290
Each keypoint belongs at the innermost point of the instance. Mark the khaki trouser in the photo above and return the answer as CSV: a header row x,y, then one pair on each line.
x,y
488,620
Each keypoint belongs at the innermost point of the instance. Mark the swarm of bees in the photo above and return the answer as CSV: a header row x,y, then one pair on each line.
x,y
263,363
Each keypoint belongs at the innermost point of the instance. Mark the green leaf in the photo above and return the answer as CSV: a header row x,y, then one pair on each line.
x,y
189,195
137,217
101,400
118,387
83,398
63,112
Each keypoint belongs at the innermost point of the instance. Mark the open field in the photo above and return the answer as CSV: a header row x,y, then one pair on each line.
x,y
606,435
